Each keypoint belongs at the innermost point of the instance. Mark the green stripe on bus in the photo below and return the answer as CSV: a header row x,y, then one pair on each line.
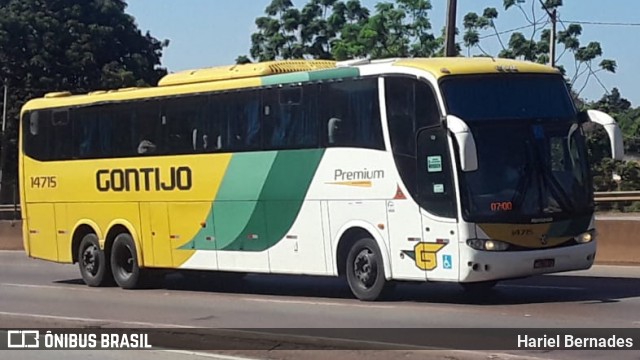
x,y
235,204
337,73
280,201
285,78
259,200
246,175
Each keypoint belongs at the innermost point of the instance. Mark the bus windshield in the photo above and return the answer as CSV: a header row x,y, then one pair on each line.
x,y
507,97
532,164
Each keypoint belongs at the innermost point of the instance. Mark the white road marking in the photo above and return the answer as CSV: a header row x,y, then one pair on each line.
x,y
207,355
49,287
542,287
120,322
302,302
277,301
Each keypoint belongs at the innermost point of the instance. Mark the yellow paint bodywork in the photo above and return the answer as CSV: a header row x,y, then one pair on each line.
x,y
527,235
137,93
244,71
159,221
441,67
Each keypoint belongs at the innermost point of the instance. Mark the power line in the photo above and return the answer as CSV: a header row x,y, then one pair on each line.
x,y
508,31
591,72
602,23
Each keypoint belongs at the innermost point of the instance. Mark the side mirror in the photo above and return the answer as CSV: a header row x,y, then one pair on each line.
x,y
466,143
612,129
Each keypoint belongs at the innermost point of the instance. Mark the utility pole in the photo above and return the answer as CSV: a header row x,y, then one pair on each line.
x,y
553,16
4,107
3,142
552,39
450,45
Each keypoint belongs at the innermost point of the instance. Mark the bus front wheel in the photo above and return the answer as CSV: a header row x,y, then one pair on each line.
x,y
94,267
365,270
124,263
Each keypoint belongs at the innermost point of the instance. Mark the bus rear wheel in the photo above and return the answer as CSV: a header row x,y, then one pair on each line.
x,y
94,267
365,270
124,263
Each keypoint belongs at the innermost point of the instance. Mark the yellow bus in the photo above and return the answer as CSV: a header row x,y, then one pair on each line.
x,y
449,169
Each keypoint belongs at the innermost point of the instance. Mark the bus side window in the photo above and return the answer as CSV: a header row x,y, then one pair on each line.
x,y
122,118
436,192
351,114
148,128
290,117
243,120
411,105
213,125
181,116
60,130
37,141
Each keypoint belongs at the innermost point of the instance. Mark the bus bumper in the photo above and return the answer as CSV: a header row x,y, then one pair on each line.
x,y
478,266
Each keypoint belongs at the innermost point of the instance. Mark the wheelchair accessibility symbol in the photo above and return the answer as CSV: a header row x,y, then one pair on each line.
x,y
447,262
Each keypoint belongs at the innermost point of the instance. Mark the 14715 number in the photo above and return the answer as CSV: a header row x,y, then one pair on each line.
x,y
44,182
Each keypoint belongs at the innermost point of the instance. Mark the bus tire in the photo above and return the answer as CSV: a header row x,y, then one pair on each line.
x,y
92,261
365,270
124,263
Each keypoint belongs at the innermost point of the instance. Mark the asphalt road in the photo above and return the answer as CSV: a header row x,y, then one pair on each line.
x,y
37,293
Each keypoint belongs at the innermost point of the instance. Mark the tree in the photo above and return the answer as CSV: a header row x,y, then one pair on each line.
x,y
350,18
276,36
627,117
69,45
602,167
535,46
333,29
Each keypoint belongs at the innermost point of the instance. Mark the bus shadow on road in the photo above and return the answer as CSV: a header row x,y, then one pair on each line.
x,y
537,289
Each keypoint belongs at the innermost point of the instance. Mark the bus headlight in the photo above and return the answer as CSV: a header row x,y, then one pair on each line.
x,y
488,245
586,237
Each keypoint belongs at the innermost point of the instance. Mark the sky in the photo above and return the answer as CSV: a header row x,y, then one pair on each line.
x,y
205,33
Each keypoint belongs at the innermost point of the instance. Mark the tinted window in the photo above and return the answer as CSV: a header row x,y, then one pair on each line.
x,y
92,132
117,130
411,105
182,119
61,127
507,97
291,117
37,134
346,113
243,123
436,192
351,114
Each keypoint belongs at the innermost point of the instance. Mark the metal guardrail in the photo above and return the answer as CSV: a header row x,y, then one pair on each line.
x,y
9,208
613,196
10,212
610,196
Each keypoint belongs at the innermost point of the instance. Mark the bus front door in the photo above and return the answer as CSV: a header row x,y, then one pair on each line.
x,y
437,253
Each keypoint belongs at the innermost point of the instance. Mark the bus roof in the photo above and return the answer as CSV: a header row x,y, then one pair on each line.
x,y
282,72
244,71
441,67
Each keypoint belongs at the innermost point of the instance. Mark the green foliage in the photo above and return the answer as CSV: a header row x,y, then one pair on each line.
x,y
74,45
602,167
535,46
334,29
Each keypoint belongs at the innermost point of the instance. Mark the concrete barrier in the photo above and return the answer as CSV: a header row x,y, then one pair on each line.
x,y
618,239
11,235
